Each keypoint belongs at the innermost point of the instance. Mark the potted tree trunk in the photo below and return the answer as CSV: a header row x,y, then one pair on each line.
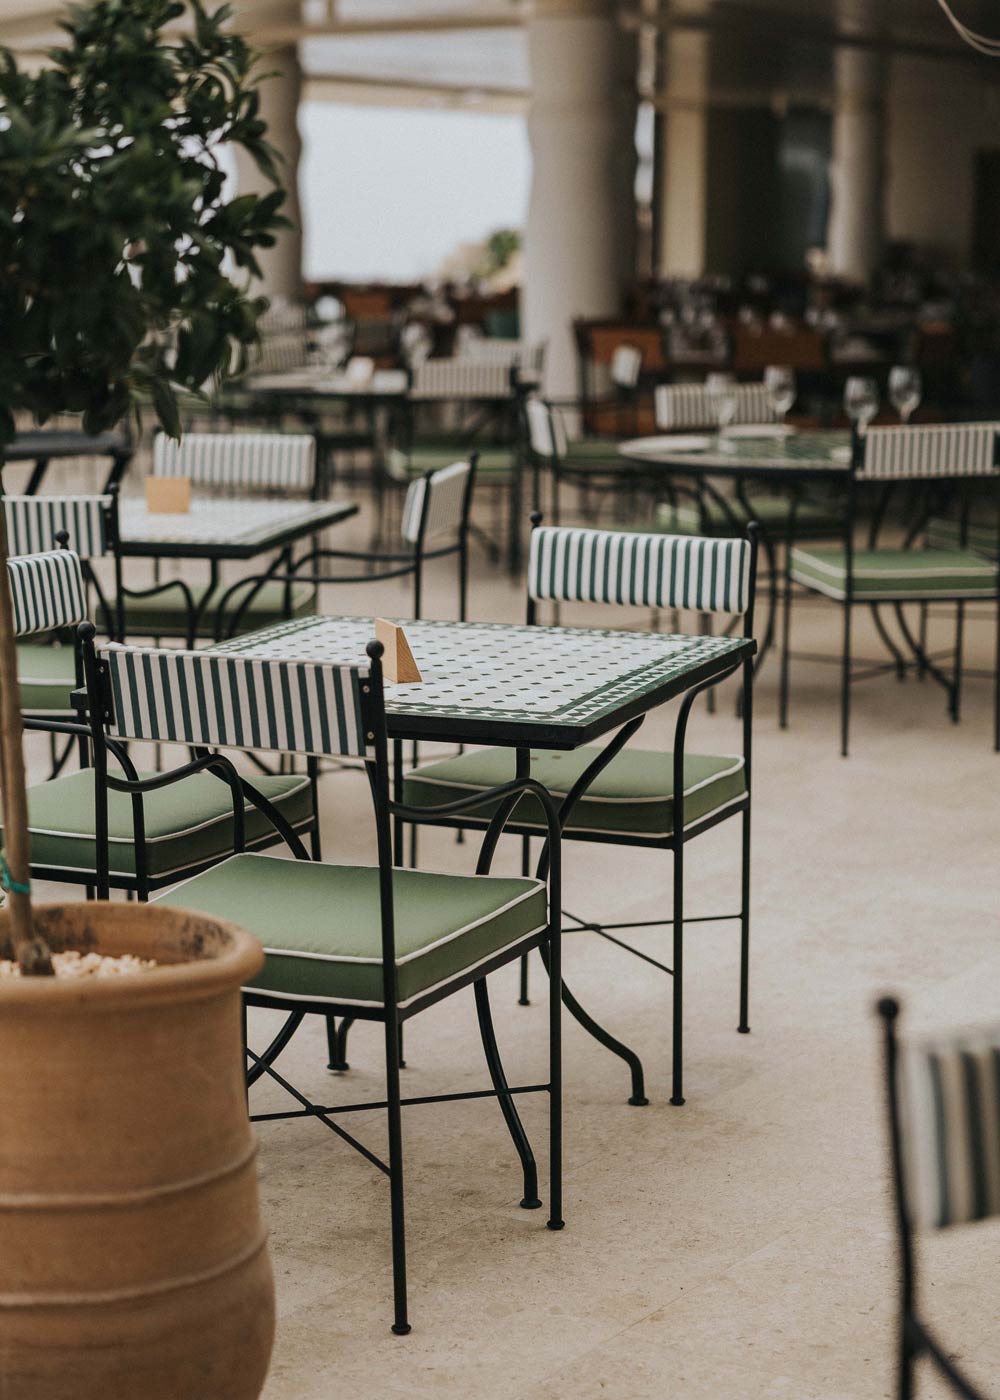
x,y
134,1258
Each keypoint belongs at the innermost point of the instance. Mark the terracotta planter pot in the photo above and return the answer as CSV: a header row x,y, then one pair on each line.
x,y
134,1262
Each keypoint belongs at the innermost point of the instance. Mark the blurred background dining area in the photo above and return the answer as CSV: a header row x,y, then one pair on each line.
x,y
669,330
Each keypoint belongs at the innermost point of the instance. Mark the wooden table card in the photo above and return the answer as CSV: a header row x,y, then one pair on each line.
x,y
168,495
397,662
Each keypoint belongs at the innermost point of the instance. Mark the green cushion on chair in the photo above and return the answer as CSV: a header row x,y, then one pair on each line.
x,y
632,796
981,537
165,614
770,512
47,675
903,574
594,452
320,924
186,823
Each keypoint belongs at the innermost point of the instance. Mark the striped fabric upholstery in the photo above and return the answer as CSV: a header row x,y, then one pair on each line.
x,y
653,571
444,503
264,460
34,521
47,591
953,449
546,429
235,702
691,406
951,1118
458,379
492,350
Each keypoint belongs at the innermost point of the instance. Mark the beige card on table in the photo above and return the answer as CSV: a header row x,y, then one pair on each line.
x,y
397,662
168,495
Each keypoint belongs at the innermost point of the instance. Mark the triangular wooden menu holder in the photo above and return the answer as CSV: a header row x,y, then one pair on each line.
x,y
397,661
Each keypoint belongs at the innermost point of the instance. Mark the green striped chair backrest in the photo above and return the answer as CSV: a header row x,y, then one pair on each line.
x,y
235,702
47,591
951,1129
945,450
692,406
654,571
33,522
444,494
264,461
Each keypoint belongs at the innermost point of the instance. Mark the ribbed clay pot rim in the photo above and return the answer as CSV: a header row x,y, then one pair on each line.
x,y
210,955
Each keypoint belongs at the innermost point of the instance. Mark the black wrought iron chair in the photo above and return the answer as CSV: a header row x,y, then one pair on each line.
x,y
943,1102
143,830
592,464
435,525
375,942
965,456
651,799
47,666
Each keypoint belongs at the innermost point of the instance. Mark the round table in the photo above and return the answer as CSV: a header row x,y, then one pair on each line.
x,y
793,459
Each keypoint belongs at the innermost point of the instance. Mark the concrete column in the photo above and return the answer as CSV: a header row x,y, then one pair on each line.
x,y
281,265
856,175
683,156
580,224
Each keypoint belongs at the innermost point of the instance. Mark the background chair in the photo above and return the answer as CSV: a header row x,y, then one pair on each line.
x,y
435,525
943,1102
234,463
617,795
374,942
47,665
128,829
962,455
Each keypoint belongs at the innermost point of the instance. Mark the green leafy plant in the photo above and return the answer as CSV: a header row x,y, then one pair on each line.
x,y
125,268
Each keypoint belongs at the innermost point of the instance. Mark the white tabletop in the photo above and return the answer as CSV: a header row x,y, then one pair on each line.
x,y
383,383
239,526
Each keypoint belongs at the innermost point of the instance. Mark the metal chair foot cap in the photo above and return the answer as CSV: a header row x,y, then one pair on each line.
x,y
555,1224
743,1030
676,1100
338,1069
531,1203
523,1001
402,1329
638,1101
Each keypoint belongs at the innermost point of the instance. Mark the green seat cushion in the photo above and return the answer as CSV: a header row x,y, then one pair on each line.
x,y
321,926
895,573
632,796
770,512
946,533
47,675
493,462
593,452
189,822
165,614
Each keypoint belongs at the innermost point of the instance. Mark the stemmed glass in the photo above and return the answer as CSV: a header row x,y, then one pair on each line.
x,y
904,390
779,381
861,400
721,390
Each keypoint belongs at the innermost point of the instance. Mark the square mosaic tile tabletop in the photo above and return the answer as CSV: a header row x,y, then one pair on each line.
x,y
508,684
237,528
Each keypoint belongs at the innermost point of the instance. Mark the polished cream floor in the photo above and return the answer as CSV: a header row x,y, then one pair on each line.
x,y
739,1247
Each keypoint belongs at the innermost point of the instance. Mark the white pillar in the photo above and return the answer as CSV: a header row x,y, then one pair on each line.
x,y
580,222
856,176
281,266
683,156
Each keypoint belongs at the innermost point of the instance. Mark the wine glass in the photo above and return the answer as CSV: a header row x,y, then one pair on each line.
x,y
779,381
904,390
861,400
721,390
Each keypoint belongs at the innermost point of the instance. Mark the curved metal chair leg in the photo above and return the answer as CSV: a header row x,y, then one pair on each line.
x,y
263,1062
638,1096
515,1127
337,1041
